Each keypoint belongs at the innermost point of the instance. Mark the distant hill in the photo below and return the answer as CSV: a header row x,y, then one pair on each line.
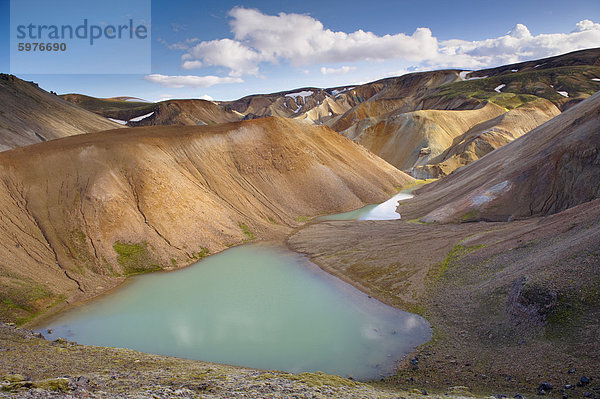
x,y
426,123
431,123
31,115
125,111
552,168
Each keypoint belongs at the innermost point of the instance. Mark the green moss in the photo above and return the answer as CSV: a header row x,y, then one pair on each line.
x,y
134,258
457,252
203,253
320,379
246,230
472,215
173,262
303,218
271,220
527,86
417,221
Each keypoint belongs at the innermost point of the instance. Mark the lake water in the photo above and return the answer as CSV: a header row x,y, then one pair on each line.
x,y
383,211
259,306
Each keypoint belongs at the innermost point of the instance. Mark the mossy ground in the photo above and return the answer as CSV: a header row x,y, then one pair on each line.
x,y
135,258
246,230
527,86
22,299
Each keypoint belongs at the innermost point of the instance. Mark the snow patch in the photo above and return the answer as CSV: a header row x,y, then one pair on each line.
x,y
337,92
137,100
119,121
514,70
463,75
139,118
499,88
489,194
596,79
303,94
563,93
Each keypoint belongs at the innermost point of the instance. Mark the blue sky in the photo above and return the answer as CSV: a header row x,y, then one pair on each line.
x,y
233,48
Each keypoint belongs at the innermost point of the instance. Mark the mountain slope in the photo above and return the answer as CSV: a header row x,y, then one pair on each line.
x,y
190,112
552,168
31,115
187,113
79,214
410,138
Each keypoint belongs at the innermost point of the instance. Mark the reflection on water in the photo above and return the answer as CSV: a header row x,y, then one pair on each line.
x,y
256,306
384,211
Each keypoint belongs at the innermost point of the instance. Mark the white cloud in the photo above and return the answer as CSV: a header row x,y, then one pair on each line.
x,y
190,80
228,53
302,40
517,45
337,71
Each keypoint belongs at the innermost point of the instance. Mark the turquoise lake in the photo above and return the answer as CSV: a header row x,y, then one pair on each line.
x,y
257,305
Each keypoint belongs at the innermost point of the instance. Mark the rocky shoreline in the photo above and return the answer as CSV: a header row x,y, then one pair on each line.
x,y
32,367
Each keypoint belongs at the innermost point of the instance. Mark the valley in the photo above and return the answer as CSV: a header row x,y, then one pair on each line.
x,y
497,246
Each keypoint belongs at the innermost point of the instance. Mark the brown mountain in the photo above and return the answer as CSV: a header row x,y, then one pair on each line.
x,y
552,168
513,295
31,115
81,213
187,113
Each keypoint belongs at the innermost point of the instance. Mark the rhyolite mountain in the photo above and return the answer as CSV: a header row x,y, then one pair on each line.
x,y
502,257
126,111
79,214
427,123
31,115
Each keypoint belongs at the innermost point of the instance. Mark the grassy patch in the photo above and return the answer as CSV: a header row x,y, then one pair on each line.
x,y
470,216
23,299
134,258
524,87
203,253
246,230
457,252
303,218
320,379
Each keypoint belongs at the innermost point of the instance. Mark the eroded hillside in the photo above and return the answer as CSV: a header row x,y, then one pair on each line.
x,y
522,281
79,214
31,115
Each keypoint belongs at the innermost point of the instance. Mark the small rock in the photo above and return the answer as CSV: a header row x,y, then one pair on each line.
x,y
424,392
544,388
583,381
568,386
571,371
49,331
519,396
589,395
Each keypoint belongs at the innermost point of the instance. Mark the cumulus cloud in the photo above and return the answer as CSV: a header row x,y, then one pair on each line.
x,y
190,80
337,71
518,45
301,40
